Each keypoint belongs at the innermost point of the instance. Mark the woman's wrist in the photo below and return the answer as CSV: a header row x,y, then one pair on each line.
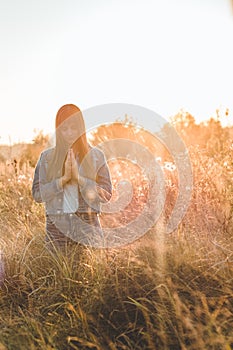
x,y
62,181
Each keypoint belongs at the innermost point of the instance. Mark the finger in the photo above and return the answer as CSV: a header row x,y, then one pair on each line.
x,y
73,158
72,155
69,157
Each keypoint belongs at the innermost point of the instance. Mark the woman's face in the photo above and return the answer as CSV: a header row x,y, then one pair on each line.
x,y
70,130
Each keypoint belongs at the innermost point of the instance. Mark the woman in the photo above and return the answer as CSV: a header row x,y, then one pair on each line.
x,y
72,179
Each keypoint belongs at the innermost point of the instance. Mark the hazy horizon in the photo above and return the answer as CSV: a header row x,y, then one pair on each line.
x,y
157,54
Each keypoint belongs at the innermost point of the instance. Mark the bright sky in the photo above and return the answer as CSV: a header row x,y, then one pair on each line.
x,y
160,54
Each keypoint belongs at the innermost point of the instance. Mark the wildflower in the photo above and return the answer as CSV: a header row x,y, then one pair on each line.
x,y
22,177
169,166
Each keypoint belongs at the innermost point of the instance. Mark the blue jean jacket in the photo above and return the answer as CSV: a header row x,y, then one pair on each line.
x,y
51,194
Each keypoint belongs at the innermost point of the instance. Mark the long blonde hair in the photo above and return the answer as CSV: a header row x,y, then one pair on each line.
x,y
80,146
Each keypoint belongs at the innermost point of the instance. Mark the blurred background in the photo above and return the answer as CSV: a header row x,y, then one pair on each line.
x,y
160,54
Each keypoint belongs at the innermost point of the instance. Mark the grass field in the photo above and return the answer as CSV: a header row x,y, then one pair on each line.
x,y
170,292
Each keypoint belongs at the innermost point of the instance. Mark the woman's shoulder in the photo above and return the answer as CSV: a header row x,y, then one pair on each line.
x,y
47,153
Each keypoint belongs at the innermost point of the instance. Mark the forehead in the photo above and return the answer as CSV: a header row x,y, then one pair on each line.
x,y
73,121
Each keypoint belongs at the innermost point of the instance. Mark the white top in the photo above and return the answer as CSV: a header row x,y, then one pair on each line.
x,y
70,198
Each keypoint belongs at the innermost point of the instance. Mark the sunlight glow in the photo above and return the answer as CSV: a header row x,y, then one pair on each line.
x,y
164,56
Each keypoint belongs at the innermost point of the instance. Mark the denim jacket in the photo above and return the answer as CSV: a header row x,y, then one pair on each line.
x,y
51,193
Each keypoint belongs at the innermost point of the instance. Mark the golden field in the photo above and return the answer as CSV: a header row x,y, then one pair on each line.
x,y
169,292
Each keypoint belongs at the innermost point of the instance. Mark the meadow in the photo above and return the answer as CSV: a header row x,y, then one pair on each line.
x,y
169,292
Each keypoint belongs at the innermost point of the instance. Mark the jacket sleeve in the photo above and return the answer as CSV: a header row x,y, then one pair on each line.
x,y
103,183
42,190
101,188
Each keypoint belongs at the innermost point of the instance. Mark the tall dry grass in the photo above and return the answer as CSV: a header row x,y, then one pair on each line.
x,y
161,292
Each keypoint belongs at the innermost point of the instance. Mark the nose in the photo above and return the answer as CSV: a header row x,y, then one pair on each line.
x,y
69,131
